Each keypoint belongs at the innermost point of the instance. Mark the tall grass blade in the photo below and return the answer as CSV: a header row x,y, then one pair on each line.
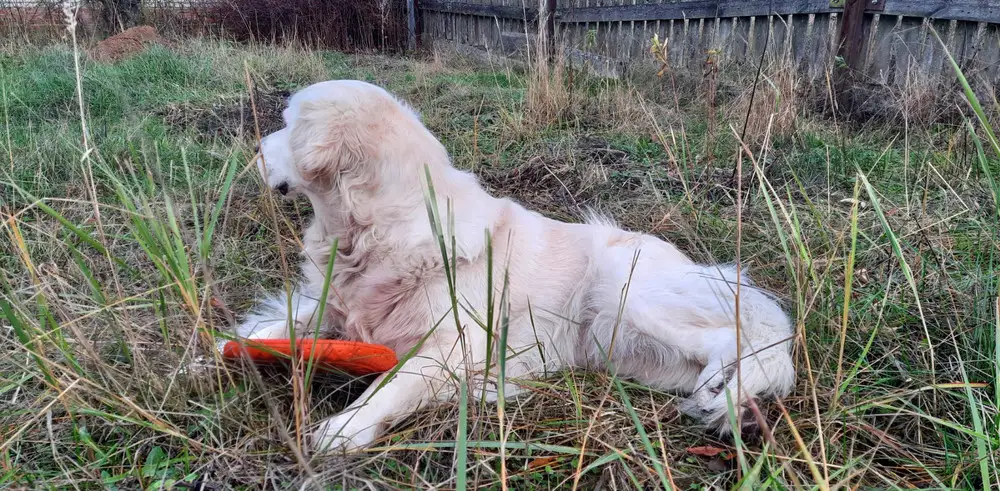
x,y
848,284
907,272
462,438
224,190
321,310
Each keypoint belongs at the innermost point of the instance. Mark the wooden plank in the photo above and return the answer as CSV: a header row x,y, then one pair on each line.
x,y
825,32
774,26
879,58
550,27
690,35
873,27
833,25
907,48
752,38
974,48
690,9
783,34
967,10
677,42
467,8
411,25
763,39
938,60
463,28
988,53
724,40
902,34
635,32
742,48
615,35
709,37
956,43
482,31
581,38
814,46
992,57
929,46
802,27
729,38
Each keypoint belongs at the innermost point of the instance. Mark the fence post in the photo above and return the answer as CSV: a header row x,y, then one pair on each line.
x,y
550,27
411,24
852,37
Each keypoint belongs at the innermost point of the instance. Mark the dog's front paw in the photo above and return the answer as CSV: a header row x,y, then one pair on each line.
x,y
347,431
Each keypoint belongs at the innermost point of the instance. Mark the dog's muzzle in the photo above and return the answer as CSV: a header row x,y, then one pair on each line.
x,y
282,188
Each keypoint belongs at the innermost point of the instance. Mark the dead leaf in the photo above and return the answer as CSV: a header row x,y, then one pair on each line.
x,y
541,462
706,451
219,305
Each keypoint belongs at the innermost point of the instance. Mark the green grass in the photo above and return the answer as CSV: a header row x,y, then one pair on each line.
x,y
117,269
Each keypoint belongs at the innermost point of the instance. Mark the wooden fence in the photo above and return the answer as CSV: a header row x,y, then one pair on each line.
x,y
888,40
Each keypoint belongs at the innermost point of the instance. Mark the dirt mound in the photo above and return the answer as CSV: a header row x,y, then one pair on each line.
x,y
127,43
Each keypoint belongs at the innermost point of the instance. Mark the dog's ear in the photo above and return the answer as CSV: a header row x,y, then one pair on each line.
x,y
329,138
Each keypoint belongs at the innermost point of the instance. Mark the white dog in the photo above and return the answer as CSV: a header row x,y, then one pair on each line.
x,y
576,293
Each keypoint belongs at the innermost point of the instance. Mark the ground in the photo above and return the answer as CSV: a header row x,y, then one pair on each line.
x,y
124,251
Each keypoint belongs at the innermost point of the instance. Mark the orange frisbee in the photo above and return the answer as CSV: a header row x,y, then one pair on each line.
x,y
350,356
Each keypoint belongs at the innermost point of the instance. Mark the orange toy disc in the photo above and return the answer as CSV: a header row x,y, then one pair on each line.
x,y
349,356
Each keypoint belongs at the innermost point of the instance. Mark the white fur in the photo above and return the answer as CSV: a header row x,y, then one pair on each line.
x,y
359,155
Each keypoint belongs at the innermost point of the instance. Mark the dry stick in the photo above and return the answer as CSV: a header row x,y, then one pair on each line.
x,y
663,448
292,444
769,437
586,435
739,331
823,484
88,172
58,397
297,388
756,80
812,381
611,350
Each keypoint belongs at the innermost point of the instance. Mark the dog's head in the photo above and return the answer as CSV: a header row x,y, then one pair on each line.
x,y
335,131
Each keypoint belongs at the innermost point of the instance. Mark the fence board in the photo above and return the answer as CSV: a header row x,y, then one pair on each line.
x,y
967,10
501,10
697,9
803,32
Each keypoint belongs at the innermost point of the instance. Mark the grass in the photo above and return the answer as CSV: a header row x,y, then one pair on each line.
x,y
119,266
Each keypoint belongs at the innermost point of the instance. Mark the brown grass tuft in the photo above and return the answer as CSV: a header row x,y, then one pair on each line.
x,y
777,97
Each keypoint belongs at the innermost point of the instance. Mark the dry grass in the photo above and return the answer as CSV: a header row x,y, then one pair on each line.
x,y
775,105
101,320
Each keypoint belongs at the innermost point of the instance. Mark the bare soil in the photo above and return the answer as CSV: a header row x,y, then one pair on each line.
x,y
127,44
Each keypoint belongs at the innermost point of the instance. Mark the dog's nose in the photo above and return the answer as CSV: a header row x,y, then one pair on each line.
x,y
282,188
256,148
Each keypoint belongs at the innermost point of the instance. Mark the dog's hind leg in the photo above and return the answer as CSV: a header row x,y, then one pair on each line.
x,y
733,376
681,322
762,367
